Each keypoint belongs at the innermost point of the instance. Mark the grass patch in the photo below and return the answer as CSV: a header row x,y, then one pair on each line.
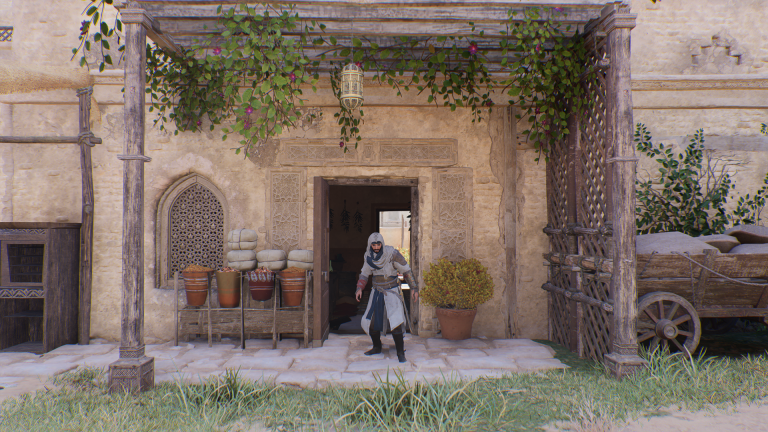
x,y
584,395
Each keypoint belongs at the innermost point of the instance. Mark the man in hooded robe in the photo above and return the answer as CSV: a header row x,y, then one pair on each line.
x,y
384,263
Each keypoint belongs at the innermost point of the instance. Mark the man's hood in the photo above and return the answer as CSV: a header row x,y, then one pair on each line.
x,y
375,237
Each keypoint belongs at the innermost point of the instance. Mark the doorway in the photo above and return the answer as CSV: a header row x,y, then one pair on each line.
x,y
354,209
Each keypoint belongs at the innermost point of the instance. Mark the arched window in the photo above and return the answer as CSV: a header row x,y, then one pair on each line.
x,y
192,219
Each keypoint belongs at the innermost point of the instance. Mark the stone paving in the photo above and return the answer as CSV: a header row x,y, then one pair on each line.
x,y
340,361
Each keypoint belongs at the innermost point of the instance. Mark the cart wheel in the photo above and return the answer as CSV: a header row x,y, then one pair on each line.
x,y
669,320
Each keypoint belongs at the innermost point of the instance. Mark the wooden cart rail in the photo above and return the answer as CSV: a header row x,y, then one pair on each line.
x,y
675,290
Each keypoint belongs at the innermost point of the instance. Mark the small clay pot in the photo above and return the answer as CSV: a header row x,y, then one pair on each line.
x,y
292,286
261,284
196,286
229,288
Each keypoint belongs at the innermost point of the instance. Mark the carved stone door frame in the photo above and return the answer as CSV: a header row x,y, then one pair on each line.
x,y
415,211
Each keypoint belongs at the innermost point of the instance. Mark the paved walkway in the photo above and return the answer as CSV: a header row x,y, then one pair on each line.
x,y
340,361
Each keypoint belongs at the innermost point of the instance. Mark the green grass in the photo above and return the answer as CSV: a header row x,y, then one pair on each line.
x,y
583,394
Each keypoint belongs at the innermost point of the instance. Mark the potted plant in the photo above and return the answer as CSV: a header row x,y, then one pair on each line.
x,y
456,290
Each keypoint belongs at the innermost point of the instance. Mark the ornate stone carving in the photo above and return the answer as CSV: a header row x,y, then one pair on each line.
x,y
452,214
22,231
22,293
374,152
196,230
287,212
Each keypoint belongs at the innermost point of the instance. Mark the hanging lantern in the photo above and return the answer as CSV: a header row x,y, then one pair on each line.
x,y
352,86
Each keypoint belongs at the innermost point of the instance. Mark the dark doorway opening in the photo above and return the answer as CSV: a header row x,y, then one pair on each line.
x,y
355,211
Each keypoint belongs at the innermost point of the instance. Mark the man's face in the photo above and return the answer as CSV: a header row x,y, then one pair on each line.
x,y
376,246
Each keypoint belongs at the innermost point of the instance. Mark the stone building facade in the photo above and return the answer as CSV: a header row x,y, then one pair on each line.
x,y
696,64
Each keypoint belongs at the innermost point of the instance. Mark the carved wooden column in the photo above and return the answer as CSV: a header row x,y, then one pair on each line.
x,y
86,229
133,371
623,358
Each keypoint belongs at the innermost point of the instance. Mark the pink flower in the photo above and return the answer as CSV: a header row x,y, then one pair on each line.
x,y
292,76
473,48
217,50
489,103
359,64
537,111
249,110
538,47
199,122
341,143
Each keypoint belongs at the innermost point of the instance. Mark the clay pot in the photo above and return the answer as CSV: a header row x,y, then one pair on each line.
x,y
456,324
292,286
229,288
261,284
196,286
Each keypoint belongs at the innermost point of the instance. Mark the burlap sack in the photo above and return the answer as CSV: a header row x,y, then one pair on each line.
x,y
301,265
273,265
750,249
666,243
241,259
271,255
749,234
242,239
722,242
301,255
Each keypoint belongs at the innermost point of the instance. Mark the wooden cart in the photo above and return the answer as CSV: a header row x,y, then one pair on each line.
x,y
675,290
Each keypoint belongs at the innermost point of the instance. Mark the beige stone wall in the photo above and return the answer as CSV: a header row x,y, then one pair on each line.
x,y
725,36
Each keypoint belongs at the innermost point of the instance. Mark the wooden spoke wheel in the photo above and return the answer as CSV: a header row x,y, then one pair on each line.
x,y
668,321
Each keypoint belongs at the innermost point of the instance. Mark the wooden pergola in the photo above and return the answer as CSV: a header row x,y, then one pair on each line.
x,y
590,178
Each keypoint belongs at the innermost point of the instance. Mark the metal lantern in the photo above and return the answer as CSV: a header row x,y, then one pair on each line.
x,y
352,86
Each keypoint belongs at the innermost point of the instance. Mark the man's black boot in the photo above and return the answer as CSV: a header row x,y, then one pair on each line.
x,y
376,339
400,346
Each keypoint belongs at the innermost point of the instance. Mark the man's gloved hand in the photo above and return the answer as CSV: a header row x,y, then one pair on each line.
x,y
360,286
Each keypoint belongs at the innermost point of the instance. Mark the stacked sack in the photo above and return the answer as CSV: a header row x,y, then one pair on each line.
x,y
273,259
242,243
303,259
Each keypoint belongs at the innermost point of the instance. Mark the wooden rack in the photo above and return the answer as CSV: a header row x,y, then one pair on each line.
x,y
267,317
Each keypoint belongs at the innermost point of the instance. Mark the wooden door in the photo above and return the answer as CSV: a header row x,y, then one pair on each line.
x,y
415,254
321,293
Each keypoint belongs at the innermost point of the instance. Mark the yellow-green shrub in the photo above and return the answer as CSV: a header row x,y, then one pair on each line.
x,y
463,285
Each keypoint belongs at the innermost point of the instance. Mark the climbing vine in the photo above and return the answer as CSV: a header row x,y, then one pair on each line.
x,y
249,78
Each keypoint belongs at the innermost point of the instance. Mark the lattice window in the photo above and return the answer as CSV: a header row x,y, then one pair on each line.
x,y
6,34
196,234
192,222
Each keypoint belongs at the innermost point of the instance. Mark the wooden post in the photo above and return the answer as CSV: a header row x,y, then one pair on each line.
x,y
86,229
623,359
573,193
133,371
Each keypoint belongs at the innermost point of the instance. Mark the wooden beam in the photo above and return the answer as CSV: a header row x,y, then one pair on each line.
x,y
86,230
577,14
151,27
45,140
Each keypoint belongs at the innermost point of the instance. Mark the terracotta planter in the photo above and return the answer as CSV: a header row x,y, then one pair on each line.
x,y
261,284
292,286
196,286
229,288
456,324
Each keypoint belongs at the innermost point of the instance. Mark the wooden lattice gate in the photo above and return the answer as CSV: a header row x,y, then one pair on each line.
x,y
590,185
